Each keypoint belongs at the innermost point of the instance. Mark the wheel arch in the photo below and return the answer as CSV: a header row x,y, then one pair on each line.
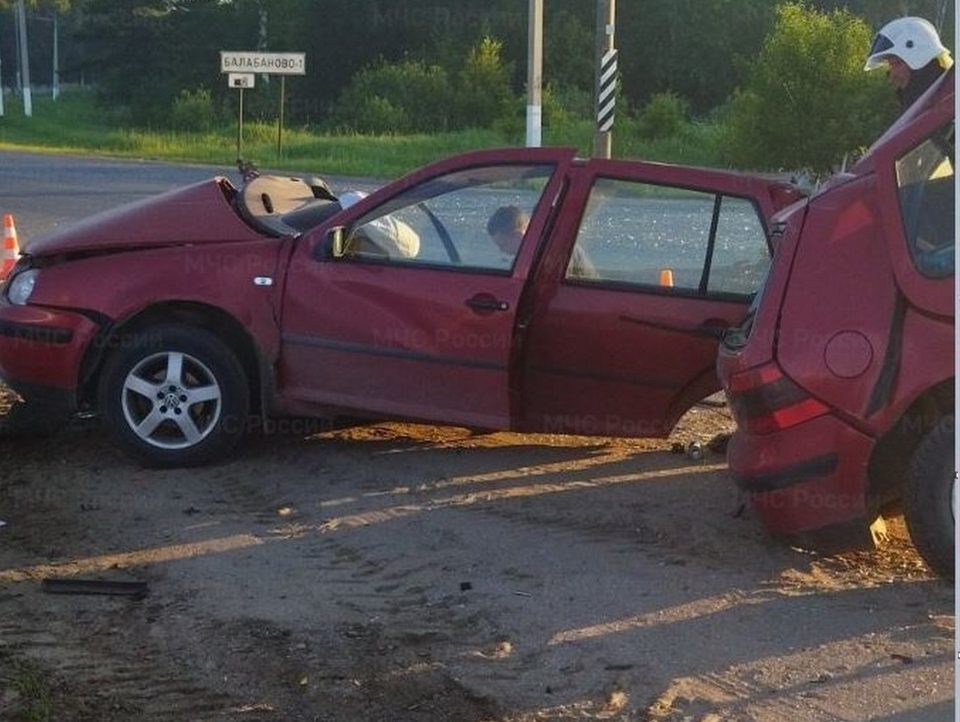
x,y
890,460
212,319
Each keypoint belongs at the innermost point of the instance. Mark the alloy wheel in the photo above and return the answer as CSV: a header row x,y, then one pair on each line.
x,y
171,400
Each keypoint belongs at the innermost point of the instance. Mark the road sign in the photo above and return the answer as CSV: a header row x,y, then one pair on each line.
x,y
241,80
241,65
268,63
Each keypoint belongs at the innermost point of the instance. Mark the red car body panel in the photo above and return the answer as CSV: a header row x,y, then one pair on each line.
x,y
804,492
331,360
609,362
834,327
198,213
44,346
858,333
221,276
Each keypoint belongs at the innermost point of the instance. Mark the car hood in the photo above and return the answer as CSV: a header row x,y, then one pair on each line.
x,y
198,213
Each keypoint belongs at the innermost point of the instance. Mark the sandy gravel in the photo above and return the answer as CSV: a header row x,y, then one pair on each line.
x,y
407,572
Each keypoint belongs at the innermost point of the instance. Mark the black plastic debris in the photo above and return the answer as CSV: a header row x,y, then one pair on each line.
x,y
94,586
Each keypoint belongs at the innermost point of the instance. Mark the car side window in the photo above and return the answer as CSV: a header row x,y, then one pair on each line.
x,y
670,239
448,221
741,257
925,186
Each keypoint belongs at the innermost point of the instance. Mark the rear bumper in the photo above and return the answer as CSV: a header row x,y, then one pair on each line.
x,y
808,477
41,351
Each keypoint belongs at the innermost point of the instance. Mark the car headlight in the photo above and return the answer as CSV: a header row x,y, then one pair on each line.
x,y
21,287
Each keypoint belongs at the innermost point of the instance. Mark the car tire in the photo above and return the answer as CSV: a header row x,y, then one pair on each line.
x,y
175,396
928,498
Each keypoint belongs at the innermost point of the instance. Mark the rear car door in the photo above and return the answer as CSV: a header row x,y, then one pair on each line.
x,y
416,319
648,265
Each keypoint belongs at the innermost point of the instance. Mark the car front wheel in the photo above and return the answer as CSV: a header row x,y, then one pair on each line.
x,y
930,498
174,396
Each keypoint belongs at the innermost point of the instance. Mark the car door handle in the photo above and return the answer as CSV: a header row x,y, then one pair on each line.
x,y
485,302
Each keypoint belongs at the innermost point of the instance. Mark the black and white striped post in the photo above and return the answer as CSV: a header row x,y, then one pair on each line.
x,y
606,105
606,84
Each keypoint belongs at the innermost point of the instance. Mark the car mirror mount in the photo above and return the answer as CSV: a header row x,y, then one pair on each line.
x,y
338,242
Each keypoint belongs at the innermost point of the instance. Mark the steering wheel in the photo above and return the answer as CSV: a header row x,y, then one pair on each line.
x,y
444,234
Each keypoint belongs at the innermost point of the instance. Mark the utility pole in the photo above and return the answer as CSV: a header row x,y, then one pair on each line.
x,y
535,75
24,59
56,55
606,76
17,80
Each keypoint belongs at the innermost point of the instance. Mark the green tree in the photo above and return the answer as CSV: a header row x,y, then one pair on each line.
x,y
879,12
663,116
483,93
569,47
395,97
807,101
142,53
698,49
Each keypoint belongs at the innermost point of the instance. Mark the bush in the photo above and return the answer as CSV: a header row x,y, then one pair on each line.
x,y
403,97
378,115
807,101
663,116
193,110
565,104
483,95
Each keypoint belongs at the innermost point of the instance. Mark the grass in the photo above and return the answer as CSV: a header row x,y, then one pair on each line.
x,y
33,699
75,124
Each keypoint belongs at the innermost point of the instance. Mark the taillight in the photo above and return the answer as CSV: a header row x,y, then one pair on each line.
x,y
764,400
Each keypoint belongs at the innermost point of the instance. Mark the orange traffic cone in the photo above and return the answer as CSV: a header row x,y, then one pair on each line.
x,y
11,248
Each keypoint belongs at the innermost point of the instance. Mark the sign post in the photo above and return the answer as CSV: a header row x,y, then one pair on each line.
x,y
283,95
241,81
247,63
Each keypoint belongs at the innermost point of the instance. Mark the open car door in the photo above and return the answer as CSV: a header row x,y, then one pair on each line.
x,y
649,265
414,315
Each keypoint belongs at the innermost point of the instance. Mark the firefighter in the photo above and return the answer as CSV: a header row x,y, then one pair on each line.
x,y
911,50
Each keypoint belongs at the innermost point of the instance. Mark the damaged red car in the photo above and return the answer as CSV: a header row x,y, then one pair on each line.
x,y
842,376
521,289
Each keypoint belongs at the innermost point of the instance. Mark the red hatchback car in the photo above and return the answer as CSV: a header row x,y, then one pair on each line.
x,y
842,376
184,319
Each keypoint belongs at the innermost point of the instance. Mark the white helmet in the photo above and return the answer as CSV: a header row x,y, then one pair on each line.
x,y
913,40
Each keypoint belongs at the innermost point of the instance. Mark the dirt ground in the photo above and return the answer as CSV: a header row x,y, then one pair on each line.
x,y
407,572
